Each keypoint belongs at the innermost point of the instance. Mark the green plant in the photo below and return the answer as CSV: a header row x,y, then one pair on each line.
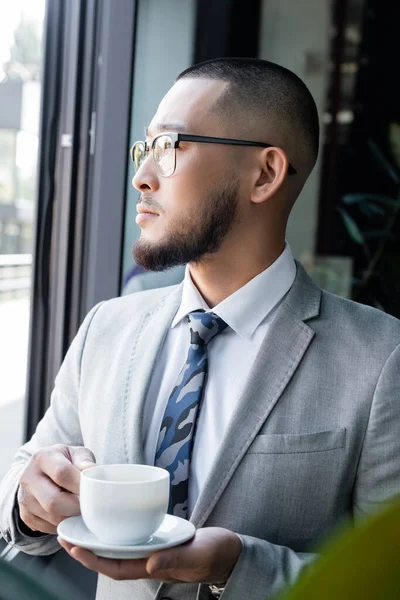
x,y
370,222
362,563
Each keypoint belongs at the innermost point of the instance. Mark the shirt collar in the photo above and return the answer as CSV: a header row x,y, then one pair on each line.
x,y
246,308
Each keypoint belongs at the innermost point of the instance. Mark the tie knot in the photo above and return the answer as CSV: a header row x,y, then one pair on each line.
x,y
204,326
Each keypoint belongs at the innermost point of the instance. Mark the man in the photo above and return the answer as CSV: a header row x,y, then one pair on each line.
x,y
295,405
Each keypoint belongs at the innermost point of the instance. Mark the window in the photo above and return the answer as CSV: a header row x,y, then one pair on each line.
x,y
21,31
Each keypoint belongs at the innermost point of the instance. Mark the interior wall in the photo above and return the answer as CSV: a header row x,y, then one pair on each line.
x,y
296,35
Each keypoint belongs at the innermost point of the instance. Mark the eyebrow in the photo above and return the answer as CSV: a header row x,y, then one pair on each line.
x,y
175,127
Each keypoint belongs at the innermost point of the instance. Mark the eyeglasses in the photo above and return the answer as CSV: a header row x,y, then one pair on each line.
x,y
163,147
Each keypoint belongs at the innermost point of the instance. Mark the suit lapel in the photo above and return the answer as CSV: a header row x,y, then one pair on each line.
x,y
149,337
278,358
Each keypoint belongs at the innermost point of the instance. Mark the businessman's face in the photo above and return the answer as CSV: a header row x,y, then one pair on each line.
x,y
194,208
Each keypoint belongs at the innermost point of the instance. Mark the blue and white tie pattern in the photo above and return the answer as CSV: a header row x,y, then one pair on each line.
x,y
178,427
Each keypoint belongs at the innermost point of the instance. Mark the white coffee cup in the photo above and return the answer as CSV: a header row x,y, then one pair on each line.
x,y
124,504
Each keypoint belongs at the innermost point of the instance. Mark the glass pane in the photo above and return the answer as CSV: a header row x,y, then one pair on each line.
x,y
21,32
164,153
170,27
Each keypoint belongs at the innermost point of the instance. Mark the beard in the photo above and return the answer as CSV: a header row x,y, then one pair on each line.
x,y
193,236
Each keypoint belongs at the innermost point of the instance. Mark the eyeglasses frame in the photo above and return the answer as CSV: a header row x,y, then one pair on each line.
x,y
176,138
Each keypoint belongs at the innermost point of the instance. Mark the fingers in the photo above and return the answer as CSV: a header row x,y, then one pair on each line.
x,y
116,569
166,560
56,503
54,463
82,457
49,486
51,505
171,565
28,505
37,524
210,556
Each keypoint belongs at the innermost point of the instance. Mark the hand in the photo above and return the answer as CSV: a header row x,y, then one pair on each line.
x,y
208,558
49,486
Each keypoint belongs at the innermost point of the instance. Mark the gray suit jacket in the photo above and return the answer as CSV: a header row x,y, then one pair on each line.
x,y
313,443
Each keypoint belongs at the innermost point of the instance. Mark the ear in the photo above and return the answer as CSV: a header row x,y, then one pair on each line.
x,y
273,168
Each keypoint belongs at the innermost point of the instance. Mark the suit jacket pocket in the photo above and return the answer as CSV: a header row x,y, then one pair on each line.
x,y
285,443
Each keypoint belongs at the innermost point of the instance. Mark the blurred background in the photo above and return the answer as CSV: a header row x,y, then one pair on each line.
x,y
79,80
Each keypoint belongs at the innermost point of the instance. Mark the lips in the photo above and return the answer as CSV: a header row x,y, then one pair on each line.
x,y
145,215
143,210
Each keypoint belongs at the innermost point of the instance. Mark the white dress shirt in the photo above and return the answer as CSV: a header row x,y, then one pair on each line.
x,y
249,313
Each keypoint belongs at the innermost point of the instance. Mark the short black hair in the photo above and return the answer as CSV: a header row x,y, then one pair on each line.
x,y
265,89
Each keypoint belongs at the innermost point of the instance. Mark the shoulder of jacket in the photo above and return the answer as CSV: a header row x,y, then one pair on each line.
x,y
145,300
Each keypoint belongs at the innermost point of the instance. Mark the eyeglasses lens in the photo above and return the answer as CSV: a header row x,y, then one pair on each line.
x,y
164,154
138,154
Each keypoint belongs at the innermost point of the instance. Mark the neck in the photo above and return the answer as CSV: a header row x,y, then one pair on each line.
x,y
222,274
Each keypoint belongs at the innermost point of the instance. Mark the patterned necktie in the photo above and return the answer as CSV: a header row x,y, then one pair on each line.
x,y
175,441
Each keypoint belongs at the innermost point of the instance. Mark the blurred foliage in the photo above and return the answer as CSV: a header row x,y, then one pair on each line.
x,y
394,141
27,42
25,53
370,233
362,563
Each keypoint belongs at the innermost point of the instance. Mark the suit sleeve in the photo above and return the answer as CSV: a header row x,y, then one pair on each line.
x,y
60,425
263,569
378,473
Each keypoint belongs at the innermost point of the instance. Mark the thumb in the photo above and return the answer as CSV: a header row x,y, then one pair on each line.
x,y
165,560
82,457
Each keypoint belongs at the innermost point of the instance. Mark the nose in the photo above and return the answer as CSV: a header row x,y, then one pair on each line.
x,y
145,179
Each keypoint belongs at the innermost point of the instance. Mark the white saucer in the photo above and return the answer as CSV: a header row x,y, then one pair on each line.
x,y
172,532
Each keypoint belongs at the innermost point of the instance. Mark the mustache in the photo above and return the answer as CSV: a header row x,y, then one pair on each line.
x,y
148,200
